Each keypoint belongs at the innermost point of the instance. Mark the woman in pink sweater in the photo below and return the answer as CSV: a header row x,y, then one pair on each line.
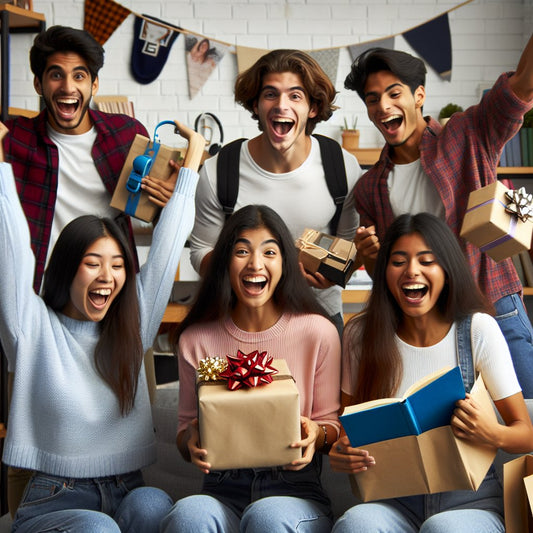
x,y
254,297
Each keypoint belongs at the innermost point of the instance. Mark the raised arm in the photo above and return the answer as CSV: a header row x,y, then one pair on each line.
x,y
522,80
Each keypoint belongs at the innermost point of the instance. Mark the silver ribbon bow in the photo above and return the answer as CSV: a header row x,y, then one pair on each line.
x,y
521,204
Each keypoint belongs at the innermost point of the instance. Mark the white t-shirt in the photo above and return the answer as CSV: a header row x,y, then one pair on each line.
x,y
301,197
80,189
412,191
489,351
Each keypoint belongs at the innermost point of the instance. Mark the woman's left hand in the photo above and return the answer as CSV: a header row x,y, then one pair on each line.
x,y
310,434
472,423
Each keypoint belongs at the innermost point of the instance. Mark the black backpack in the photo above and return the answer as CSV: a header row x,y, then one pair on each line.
x,y
332,159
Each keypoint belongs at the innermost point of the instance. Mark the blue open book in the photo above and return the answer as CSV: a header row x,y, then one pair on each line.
x,y
427,404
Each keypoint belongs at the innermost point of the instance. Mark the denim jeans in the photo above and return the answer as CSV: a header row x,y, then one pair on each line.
x,y
516,328
459,511
254,501
101,505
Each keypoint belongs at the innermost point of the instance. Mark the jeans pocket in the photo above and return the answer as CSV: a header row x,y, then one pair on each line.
x,y
43,489
511,314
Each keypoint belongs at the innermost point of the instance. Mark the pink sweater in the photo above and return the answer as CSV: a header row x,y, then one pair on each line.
x,y
309,344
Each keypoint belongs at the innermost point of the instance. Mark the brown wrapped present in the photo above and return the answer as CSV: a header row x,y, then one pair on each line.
x,y
249,426
497,220
332,256
145,157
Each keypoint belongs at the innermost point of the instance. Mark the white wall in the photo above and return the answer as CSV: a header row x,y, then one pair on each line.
x,y
487,38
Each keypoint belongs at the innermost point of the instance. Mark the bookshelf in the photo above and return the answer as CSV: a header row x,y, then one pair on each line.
x,y
13,19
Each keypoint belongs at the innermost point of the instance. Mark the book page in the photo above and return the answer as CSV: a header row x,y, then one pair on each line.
x,y
369,405
421,383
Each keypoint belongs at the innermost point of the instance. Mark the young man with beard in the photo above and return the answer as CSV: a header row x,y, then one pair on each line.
x,y
424,167
288,94
68,159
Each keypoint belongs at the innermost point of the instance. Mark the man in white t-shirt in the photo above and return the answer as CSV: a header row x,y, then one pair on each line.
x,y
288,94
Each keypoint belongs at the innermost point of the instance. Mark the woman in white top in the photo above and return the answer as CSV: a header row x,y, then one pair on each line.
x,y
423,291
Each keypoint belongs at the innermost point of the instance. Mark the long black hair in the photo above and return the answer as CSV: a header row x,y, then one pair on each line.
x,y
118,354
379,365
215,298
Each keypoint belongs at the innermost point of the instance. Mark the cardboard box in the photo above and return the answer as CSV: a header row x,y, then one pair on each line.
x,y
250,427
137,204
518,494
332,256
488,225
434,461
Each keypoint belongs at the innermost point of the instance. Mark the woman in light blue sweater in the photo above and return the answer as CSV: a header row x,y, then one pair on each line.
x,y
80,412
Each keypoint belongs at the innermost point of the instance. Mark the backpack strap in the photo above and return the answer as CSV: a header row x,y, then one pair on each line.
x,y
228,159
335,172
464,351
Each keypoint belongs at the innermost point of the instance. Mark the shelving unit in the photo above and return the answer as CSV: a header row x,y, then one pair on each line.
x,y
14,19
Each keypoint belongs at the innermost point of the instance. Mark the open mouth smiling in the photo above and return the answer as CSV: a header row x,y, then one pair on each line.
x,y
414,291
254,283
99,297
392,123
282,126
67,106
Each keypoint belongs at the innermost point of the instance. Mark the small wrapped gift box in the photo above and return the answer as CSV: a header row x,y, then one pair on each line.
x,y
332,256
497,220
247,426
144,158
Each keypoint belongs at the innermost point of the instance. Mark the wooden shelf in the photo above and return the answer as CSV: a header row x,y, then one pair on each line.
x,y
515,170
22,19
366,156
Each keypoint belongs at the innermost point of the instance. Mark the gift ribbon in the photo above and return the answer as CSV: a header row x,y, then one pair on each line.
x,y
306,245
141,167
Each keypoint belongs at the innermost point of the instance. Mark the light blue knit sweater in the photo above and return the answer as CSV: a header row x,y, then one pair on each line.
x,y
64,419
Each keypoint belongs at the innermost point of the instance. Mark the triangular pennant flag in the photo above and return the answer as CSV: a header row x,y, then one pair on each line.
x,y
433,42
151,46
328,60
202,58
357,49
103,17
246,57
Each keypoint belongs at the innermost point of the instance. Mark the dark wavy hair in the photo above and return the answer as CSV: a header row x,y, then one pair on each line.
x,y
318,87
216,299
370,337
119,353
65,39
409,69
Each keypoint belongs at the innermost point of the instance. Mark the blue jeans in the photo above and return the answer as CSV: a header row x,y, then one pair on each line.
x,y
459,511
255,501
516,328
101,505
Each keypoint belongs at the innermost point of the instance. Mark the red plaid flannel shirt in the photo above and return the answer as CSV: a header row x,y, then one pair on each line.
x,y
34,158
459,159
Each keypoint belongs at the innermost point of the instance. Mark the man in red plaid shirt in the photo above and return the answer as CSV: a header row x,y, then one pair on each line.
x,y
424,167
68,159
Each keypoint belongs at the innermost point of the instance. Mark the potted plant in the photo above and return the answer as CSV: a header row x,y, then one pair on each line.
x,y
350,134
447,111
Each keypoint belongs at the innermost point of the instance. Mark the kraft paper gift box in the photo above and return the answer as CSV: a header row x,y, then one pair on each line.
x,y
251,427
137,204
434,461
332,257
518,494
490,225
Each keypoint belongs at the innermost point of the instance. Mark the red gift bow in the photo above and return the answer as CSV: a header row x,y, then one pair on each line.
x,y
250,370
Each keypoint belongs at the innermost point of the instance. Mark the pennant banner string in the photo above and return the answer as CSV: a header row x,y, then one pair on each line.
x,y
231,46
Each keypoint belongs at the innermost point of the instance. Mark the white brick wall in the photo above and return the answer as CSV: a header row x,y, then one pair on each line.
x,y
487,38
